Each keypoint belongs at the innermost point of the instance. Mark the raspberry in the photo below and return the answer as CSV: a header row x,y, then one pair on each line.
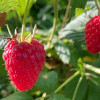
x,y
92,34
2,18
24,61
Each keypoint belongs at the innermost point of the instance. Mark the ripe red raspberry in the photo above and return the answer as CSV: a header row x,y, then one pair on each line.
x,y
24,61
92,34
2,18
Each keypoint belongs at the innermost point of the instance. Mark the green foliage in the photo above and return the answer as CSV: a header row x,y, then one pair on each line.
x,y
93,92
65,53
19,5
58,97
76,4
81,94
47,82
21,8
6,5
79,11
70,88
18,96
75,29
3,73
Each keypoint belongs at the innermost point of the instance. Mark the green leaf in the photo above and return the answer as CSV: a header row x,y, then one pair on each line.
x,y
66,54
3,73
58,97
47,81
2,43
94,92
75,29
21,9
70,88
2,40
63,51
6,5
79,11
19,5
18,96
76,4
91,4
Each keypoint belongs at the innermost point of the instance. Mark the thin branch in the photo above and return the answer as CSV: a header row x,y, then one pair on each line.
x,y
67,81
97,7
66,15
77,87
97,4
54,23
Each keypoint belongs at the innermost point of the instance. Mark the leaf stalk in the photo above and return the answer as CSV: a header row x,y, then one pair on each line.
x,y
54,23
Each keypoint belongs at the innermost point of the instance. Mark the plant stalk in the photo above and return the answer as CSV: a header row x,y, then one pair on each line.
x,y
54,23
97,7
66,14
97,4
77,87
67,81
24,21
92,68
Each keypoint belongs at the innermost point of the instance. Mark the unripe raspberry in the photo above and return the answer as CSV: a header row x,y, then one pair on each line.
x,y
92,34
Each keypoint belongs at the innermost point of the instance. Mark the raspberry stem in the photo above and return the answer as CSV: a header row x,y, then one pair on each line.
x,y
97,7
77,87
67,81
24,21
66,14
54,23
97,4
